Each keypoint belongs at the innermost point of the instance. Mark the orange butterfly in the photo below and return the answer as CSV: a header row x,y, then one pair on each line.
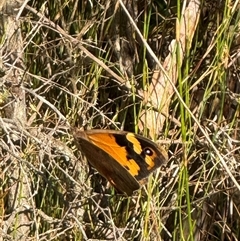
x,y
125,159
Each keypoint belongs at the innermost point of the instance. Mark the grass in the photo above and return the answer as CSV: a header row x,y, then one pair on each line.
x,y
196,195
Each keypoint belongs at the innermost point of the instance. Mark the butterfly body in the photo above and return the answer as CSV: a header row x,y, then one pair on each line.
x,y
125,159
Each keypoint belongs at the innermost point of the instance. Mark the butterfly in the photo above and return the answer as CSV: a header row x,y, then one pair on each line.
x,y
125,159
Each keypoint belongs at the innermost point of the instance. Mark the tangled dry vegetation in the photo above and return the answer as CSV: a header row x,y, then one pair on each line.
x,y
166,69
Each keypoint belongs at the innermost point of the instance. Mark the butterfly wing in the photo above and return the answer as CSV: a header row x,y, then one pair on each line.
x,y
105,164
137,154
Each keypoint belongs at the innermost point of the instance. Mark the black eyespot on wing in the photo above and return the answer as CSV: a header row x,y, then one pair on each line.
x,y
147,151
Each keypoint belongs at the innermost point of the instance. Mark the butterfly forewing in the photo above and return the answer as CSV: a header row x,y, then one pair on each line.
x,y
106,165
124,158
137,154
